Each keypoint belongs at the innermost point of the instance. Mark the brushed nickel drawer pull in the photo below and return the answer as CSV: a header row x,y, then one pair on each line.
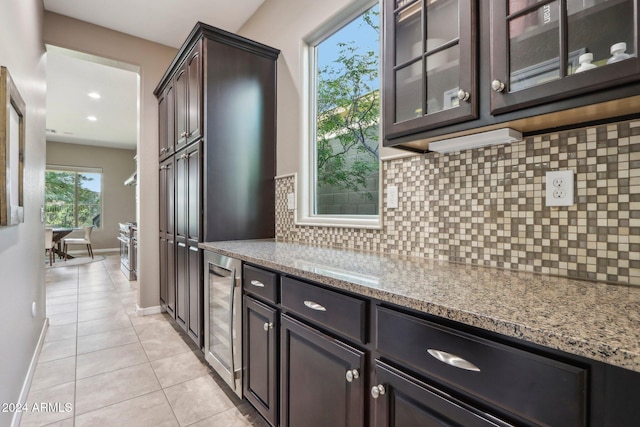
x,y
314,306
453,360
257,283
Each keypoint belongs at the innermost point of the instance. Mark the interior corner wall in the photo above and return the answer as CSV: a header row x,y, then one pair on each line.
x,y
153,59
283,24
21,246
118,200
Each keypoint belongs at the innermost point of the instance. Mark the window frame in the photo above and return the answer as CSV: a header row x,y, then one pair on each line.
x,y
307,188
77,170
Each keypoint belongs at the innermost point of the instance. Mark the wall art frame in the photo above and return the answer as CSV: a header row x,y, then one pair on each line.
x,y
12,151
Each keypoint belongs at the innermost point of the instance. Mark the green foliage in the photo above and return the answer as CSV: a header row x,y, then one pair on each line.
x,y
68,201
348,106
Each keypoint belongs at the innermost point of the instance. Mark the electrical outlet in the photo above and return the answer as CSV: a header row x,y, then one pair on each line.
x,y
291,201
392,197
560,188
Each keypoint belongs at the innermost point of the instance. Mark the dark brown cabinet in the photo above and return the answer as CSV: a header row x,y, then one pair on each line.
x,y
260,357
537,49
455,68
401,401
323,380
430,64
167,238
188,84
166,122
217,125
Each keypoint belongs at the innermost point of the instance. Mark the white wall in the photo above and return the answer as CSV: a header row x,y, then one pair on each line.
x,y
21,246
153,59
283,24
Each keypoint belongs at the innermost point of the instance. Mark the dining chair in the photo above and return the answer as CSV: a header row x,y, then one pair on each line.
x,y
49,245
79,241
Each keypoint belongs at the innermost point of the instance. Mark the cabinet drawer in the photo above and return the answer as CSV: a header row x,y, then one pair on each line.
x,y
333,310
261,283
536,389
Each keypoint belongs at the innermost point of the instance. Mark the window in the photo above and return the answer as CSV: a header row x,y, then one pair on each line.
x,y
344,98
73,196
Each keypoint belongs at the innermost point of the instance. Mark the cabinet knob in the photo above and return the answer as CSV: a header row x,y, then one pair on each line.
x,y
352,374
463,95
377,391
183,134
497,85
257,283
267,326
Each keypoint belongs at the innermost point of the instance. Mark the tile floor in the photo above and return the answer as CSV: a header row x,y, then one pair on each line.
x,y
113,368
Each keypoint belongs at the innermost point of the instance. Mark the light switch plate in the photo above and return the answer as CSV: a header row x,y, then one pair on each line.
x,y
291,201
392,197
560,188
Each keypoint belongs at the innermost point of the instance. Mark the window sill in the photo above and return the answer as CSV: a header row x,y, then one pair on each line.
x,y
364,222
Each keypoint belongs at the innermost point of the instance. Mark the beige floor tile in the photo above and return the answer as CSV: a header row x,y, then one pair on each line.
x,y
197,399
67,299
68,422
61,292
150,410
99,303
154,326
100,313
141,322
60,332
100,295
103,325
59,349
61,308
102,340
62,319
54,373
159,348
108,286
114,387
58,401
177,369
110,359
241,416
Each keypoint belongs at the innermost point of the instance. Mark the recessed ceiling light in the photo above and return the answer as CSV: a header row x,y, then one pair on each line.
x,y
92,118
94,95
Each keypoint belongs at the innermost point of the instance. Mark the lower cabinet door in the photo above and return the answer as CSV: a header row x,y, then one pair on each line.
x,y
261,358
402,401
182,285
323,379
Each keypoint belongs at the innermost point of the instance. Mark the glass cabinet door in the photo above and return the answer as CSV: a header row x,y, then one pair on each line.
x,y
544,50
429,64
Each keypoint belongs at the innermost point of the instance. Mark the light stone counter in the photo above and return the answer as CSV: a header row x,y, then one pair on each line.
x,y
595,320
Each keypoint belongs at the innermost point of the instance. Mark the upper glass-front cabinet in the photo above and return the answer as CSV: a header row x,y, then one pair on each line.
x,y
545,50
429,64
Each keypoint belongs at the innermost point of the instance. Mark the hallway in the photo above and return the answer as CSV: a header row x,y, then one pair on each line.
x,y
104,366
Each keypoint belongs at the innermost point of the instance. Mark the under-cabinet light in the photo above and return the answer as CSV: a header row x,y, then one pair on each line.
x,y
477,140
94,95
92,118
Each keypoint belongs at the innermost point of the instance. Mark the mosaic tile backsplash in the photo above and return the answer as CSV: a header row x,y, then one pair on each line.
x,y
487,207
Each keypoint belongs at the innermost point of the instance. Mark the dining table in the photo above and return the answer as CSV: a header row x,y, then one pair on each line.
x,y
58,234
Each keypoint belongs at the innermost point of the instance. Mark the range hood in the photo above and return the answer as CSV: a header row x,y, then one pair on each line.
x,y
132,180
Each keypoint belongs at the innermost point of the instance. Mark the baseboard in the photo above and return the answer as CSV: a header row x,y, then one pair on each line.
x,y
26,386
95,251
148,310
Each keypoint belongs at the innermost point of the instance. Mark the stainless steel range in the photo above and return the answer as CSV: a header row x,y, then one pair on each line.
x,y
127,238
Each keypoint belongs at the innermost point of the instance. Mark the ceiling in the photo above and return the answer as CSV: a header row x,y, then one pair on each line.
x,y
72,76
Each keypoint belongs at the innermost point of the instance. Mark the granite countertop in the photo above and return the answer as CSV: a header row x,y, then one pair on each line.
x,y
591,319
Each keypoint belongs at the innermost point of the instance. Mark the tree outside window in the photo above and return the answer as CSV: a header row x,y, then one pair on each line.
x,y
347,105
73,199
